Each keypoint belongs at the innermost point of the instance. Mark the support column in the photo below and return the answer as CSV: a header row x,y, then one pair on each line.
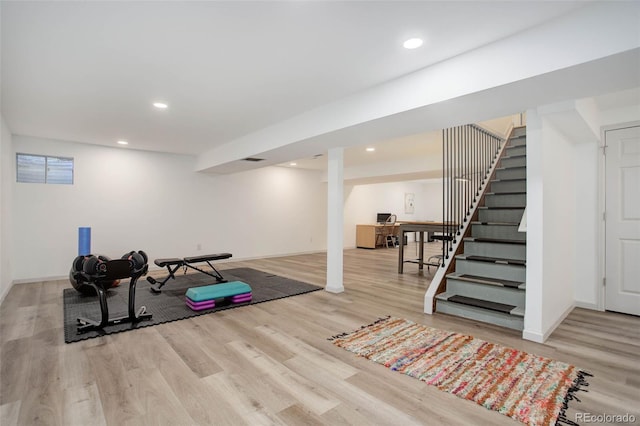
x,y
335,220
534,312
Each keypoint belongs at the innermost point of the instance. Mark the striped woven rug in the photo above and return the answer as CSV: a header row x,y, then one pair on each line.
x,y
529,388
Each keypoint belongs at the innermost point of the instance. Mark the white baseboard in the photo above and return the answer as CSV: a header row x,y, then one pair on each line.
x,y
536,336
588,305
334,289
153,267
5,292
428,304
40,279
268,256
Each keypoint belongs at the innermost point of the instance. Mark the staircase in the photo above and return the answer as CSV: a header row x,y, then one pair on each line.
x,y
488,283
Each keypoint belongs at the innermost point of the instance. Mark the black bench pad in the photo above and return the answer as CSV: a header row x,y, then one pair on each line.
x,y
169,261
207,257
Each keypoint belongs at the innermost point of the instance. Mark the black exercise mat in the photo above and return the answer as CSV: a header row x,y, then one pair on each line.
x,y
170,304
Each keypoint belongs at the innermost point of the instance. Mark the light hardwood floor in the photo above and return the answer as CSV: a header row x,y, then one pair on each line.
x,y
271,363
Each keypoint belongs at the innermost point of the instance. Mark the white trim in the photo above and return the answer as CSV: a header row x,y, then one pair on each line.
x,y
533,336
153,267
537,337
6,291
561,318
601,234
40,279
587,305
266,256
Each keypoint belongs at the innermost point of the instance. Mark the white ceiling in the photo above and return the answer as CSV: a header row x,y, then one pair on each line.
x,y
419,145
89,71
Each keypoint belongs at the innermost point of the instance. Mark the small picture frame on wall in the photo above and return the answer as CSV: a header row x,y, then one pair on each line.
x,y
409,199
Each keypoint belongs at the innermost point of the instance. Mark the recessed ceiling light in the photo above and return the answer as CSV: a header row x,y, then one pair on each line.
x,y
370,149
123,143
412,43
293,164
160,105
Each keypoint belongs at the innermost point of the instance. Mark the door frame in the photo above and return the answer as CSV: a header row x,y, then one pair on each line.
x,y
602,204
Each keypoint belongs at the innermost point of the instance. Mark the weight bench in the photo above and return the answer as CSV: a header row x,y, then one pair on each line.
x,y
173,264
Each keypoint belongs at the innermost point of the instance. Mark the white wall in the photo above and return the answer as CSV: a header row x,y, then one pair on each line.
x,y
620,115
578,122
136,200
565,203
6,177
560,213
580,125
362,202
551,212
587,275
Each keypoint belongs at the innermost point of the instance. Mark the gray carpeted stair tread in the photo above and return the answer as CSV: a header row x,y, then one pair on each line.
x,y
497,240
508,179
511,168
479,303
477,222
485,280
499,208
508,193
495,260
518,311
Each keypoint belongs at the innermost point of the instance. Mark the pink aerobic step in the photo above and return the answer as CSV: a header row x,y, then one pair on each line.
x,y
199,306
239,298
211,303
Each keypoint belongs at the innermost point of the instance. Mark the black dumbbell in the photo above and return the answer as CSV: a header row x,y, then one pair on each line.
x,y
77,279
137,259
95,266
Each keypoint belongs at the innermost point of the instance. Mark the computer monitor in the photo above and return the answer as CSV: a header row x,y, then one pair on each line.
x,y
382,217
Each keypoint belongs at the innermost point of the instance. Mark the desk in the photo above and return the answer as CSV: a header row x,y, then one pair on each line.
x,y
366,235
420,227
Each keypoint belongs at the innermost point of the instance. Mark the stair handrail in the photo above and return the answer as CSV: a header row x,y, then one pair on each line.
x,y
477,154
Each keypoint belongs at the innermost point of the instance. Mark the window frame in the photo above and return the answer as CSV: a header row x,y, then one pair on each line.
x,y
47,178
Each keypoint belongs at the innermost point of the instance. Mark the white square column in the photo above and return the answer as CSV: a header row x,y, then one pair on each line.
x,y
335,220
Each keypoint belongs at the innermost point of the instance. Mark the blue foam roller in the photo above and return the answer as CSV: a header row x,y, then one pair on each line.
x,y
84,241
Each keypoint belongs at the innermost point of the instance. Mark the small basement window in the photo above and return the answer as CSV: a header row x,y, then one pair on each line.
x,y
44,169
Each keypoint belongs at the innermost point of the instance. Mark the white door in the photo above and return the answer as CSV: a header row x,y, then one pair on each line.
x,y
623,220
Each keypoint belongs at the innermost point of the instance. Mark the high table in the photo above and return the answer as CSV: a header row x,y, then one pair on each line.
x,y
420,227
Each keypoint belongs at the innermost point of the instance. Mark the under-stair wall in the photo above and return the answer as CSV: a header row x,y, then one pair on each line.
x,y
488,281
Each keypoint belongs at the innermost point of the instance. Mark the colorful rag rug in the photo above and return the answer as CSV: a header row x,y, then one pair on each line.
x,y
529,388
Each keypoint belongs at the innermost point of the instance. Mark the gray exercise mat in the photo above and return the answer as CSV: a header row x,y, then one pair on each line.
x,y
170,304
